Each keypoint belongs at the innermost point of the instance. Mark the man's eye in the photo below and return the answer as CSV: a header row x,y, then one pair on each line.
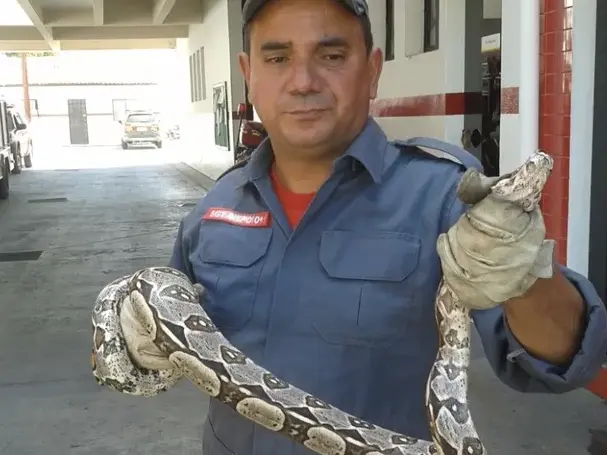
x,y
276,59
334,57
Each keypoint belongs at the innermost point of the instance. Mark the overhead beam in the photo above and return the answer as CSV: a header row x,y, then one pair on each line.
x,y
162,8
118,44
19,33
121,32
98,13
34,12
23,45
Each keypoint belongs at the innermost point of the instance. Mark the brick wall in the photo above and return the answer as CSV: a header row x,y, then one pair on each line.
x,y
554,111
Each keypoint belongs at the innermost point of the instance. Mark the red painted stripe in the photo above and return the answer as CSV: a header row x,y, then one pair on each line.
x,y
598,386
464,103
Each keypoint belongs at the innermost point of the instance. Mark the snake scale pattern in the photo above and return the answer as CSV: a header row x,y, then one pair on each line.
x,y
180,328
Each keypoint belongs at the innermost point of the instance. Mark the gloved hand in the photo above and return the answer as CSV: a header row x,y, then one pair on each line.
x,y
496,251
139,330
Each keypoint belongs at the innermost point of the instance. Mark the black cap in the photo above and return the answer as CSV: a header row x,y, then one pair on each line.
x,y
252,7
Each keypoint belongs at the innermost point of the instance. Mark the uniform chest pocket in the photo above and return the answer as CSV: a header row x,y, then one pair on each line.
x,y
371,293
230,260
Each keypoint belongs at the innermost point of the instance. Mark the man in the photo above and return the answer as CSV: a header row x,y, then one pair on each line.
x,y
329,279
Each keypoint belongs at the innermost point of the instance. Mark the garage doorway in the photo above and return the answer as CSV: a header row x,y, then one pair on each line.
x,y
597,263
482,82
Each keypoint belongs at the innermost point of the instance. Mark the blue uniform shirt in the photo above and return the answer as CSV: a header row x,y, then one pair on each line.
x,y
343,305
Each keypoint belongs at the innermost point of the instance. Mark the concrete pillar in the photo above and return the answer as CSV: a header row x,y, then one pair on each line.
x,y
582,117
452,45
519,91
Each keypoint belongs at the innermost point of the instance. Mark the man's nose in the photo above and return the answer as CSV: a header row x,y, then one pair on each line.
x,y
304,77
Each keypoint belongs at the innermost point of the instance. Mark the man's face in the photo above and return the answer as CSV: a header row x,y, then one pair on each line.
x,y
309,74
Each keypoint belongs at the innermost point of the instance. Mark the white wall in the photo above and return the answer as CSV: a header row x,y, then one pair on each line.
x,y
51,122
411,73
54,80
220,34
52,132
52,99
414,73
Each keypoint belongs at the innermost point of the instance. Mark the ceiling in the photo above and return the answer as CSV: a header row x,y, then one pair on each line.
x,y
32,25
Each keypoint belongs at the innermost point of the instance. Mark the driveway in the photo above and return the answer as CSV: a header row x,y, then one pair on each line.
x,y
110,212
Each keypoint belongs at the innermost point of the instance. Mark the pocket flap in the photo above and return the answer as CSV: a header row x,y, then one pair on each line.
x,y
239,246
381,256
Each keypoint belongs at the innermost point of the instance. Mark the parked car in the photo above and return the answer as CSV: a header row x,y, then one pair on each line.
x,y
21,143
6,157
141,128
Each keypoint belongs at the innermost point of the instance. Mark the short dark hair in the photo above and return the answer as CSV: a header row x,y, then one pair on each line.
x,y
362,20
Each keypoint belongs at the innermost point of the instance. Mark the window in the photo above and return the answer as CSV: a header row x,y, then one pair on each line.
x,y
10,122
141,118
203,79
192,80
197,94
3,125
389,30
431,25
18,119
198,83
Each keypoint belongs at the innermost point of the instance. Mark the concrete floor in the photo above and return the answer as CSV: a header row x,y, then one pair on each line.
x,y
122,213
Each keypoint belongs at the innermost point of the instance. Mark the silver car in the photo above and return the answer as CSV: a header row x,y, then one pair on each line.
x,y
141,128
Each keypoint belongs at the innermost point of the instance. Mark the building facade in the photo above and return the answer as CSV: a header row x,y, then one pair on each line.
x,y
104,83
501,77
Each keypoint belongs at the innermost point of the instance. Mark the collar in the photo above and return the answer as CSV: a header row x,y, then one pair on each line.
x,y
368,148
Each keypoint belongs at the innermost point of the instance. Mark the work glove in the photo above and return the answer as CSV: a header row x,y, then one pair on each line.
x,y
496,251
139,330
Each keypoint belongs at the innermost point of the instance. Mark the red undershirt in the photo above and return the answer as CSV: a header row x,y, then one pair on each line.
x,y
294,205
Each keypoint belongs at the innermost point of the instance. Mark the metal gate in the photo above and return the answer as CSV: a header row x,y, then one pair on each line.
x,y
79,130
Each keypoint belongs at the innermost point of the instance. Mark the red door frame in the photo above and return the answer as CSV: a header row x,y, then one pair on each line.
x,y
554,129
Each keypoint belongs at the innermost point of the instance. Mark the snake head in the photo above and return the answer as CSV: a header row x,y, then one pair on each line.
x,y
524,185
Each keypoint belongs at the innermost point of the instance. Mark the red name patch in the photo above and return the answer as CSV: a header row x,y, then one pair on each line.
x,y
260,219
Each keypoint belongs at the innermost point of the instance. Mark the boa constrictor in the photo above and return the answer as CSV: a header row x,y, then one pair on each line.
x,y
184,332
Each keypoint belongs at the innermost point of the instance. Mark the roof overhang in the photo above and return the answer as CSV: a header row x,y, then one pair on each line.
x,y
100,24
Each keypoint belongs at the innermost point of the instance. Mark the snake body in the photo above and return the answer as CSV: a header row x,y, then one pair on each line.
x,y
183,331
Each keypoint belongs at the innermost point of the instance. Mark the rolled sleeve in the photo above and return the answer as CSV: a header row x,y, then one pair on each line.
x,y
524,372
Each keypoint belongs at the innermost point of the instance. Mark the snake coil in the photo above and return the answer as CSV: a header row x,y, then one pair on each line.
x,y
181,329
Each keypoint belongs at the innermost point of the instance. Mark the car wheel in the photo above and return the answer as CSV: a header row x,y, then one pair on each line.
x,y
125,146
159,144
4,184
18,159
27,161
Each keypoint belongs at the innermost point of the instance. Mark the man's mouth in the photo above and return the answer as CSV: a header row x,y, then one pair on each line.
x,y
306,112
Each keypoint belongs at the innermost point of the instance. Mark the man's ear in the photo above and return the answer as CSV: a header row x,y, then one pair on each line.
x,y
245,66
244,63
376,64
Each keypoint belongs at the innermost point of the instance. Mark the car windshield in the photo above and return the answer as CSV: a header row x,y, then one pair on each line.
x,y
141,118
